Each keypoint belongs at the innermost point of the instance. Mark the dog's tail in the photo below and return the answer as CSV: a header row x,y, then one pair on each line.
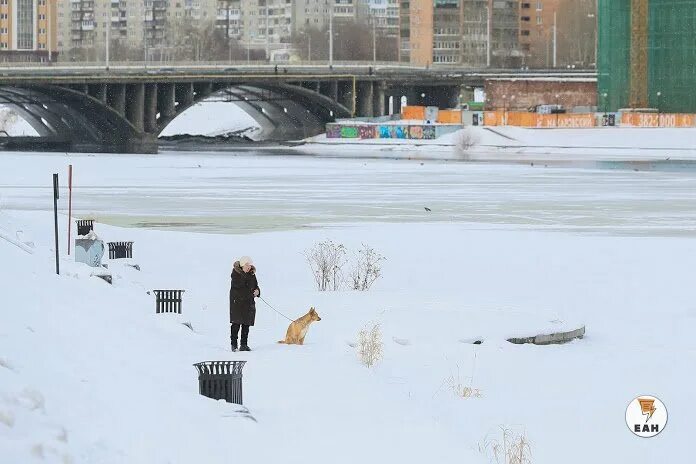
x,y
281,341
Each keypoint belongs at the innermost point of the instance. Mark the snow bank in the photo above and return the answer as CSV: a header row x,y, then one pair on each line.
x,y
514,144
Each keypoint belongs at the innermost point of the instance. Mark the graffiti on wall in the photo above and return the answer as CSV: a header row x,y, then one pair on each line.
x,y
333,131
366,132
349,132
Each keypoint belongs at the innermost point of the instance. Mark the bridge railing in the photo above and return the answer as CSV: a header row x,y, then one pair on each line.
x,y
242,66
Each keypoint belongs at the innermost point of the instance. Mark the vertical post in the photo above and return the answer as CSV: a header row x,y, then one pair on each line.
x,y
268,56
355,97
55,218
374,40
309,48
488,36
229,42
331,14
555,37
69,205
108,32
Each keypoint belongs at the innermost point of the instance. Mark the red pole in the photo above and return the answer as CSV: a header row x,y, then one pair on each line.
x,y
69,205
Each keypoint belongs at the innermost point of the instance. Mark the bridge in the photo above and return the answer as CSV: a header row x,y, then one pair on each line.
x,y
124,107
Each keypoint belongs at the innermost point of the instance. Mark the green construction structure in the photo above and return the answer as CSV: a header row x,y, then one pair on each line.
x,y
671,52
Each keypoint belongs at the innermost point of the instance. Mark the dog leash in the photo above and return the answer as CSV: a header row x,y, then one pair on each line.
x,y
268,304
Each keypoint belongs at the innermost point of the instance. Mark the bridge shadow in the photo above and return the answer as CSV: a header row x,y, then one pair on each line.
x,y
129,117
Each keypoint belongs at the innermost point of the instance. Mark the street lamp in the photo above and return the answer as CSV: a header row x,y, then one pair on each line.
x,y
658,101
558,109
108,32
331,38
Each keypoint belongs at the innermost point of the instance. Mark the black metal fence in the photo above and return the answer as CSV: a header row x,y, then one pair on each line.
x,y
168,301
221,380
84,226
119,250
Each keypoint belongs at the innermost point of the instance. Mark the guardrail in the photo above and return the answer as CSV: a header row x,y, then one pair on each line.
x,y
265,65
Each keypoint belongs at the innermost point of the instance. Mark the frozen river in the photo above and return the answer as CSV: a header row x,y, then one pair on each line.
x,y
230,193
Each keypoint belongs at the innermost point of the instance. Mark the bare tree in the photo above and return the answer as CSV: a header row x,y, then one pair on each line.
x,y
576,23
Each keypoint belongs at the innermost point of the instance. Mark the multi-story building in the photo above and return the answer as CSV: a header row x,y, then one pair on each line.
x,y
28,30
150,27
469,33
317,13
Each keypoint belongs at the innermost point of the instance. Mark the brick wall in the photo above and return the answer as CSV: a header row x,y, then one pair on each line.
x,y
529,93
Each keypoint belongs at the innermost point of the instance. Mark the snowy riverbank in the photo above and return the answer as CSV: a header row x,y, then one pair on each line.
x,y
90,374
515,144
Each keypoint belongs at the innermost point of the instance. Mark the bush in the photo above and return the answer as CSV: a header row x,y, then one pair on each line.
x,y
326,260
366,268
370,346
465,140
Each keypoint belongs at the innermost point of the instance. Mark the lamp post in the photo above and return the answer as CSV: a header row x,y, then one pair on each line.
x,y
108,33
558,109
374,39
488,36
331,38
658,108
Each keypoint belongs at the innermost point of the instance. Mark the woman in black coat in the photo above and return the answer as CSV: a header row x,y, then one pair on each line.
x,y
242,306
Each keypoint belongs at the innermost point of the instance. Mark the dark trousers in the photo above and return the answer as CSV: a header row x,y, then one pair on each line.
x,y
234,331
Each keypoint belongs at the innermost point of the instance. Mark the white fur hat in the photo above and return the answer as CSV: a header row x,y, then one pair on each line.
x,y
244,260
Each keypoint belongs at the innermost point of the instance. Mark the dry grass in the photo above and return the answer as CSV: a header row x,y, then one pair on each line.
x,y
509,448
460,389
370,346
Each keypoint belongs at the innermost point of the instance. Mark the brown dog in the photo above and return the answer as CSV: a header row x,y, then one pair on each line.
x,y
298,328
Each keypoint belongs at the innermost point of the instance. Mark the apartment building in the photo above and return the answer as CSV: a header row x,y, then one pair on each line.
x,y
457,32
83,25
28,30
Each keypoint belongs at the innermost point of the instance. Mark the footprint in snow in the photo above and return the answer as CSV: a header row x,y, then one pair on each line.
x,y
401,341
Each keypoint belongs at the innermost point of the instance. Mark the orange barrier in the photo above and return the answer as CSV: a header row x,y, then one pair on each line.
x,y
494,118
525,119
568,120
449,116
413,112
522,119
658,120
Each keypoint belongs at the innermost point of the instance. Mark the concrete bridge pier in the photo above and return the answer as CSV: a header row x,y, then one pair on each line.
x,y
329,89
380,88
116,98
184,94
135,106
345,94
150,117
365,96
166,100
97,91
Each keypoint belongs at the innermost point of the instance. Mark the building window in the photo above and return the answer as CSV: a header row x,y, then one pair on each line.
x,y
25,24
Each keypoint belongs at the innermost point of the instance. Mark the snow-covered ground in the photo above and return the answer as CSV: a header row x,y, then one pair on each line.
x,y
90,374
210,118
515,144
